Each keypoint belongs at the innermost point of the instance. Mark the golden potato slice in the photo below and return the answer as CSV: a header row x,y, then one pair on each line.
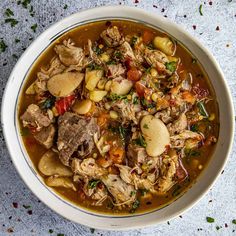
x,y
62,85
82,107
92,78
50,164
97,95
165,45
65,182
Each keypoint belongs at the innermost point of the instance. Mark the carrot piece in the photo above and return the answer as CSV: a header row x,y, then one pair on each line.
x,y
102,119
148,36
116,154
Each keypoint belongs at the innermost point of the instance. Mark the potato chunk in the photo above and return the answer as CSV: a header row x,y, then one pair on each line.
x,y
62,85
165,45
65,182
82,107
50,164
92,78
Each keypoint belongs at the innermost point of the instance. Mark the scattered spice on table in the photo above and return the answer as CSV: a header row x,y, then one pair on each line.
x,y
163,9
15,204
26,206
194,27
234,221
50,231
210,200
155,6
200,10
34,27
226,225
136,1
10,230
210,219
30,212
13,22
60,234
168,222
65,7
218,227
217,28
92,230
9,12
3,47
210,3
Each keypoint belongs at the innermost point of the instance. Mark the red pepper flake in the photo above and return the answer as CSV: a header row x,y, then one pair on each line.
x,y
10,230
155,6
194,27
210,3
163,9
136,1
226,225
217,28
10,217
210,200
15,204
30,212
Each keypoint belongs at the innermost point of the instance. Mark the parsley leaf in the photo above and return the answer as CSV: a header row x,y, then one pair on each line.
x,y
145,126
93,183
12,21
140,141
200,10
135,205
65,7
9,12
3,46
171,66
202,109
210,219
34,27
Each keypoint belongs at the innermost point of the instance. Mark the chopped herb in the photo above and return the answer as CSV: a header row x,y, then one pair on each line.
x,y
191,153
111,63
140,141
14,56
12,21
26,206
136,100
234,221
194,60
60,234
118,55
202,109
34,27
150,46
9,12
25,3
115,97
92,230
218,227
145,126
97,50
176,191
133,41
147,104
50,231
93,66
171,66
17,40
48,103
3,46
210,219
194,127
135,205
122,131
65,7
200,10
132,193
93,183
143,192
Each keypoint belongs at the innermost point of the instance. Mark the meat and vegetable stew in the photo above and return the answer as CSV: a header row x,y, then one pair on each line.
x,y
118,117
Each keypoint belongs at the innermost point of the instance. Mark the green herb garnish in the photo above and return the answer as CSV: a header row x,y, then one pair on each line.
x,y
145,126
12,21
50,231
118,55
133,41
111,63
119,130
194,60
65,7
34,27
132,193
147,104
194,128
202,110
26,206
176,191
218,227
25,3
3,46
234,221
135,205
60,234
17,40
92,230
210,219
192,152
140,141
93,66
93,183
136,100
115,97
97,50
171,66
9,12
143,192
48,103
200,10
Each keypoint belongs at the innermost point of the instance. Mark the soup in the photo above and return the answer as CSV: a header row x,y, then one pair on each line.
x,y
118,117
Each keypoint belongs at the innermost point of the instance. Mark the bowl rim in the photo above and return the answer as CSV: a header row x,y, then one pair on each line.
x,y
137,11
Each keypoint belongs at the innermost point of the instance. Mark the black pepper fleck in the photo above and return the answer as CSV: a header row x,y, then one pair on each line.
x,y
15,204
217,28
194,27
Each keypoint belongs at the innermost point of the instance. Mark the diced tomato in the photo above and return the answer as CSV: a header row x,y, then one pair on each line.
x,y
134,74
63,104
128,63
116,155
102,119
142,90
148,36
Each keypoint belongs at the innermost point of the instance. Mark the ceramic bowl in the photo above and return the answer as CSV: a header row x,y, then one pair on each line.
x,y
68,210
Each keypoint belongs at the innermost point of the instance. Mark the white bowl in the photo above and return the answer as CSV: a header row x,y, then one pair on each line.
x,y
25,167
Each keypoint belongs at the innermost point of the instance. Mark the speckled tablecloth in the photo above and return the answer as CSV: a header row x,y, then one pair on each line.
x,y
21,213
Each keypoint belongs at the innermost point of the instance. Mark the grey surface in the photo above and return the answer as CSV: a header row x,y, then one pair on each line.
x,y
220,202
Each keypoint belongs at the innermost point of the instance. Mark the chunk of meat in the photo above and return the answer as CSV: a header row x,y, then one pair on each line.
x,y
92,54
86,148
127,51
87,168
178,125
164,115
178,141
69,54
168,171
112,36
100,195
157,59
115,70
136,154
121,191
34,117
46,136
73,131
